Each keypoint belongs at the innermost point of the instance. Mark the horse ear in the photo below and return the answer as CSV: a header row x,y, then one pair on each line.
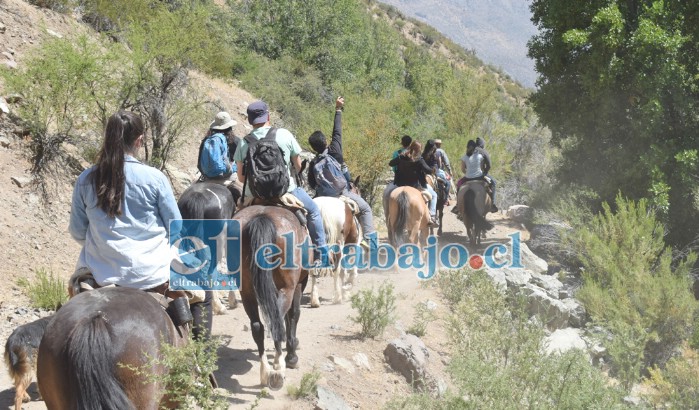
x,y
356,181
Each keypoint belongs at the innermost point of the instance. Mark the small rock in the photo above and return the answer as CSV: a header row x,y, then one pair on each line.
x,y
8,55
563,340
430,305
520,213
327,367
2,28
53,33
441,387
21,181
11,51
5,142
362,361
246,328
550,283
516,277
11,64
551,311
37,247
531,261
329,400
408,356
578,315
21,311
335,327
343,363
13,98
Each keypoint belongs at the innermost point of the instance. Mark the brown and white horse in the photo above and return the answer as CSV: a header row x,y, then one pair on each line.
x,y
273,291
341,228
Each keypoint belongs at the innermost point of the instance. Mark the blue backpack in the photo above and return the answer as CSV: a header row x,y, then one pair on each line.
x,y
212,158
330,180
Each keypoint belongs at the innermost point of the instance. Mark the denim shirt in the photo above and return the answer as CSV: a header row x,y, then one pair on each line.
x,y
131,249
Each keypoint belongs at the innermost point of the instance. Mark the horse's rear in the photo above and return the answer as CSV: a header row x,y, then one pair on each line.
x,y
341,227
207,200
473,203
87,354
275,291
408,217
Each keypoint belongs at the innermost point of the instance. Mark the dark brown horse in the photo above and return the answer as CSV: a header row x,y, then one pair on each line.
x,y
474,203
275,292
87,354
408,217
440,187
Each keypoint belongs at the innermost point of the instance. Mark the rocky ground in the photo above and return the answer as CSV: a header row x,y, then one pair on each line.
x,y
33,236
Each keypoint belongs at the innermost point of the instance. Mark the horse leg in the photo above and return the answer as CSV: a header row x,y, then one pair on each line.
x,y
292,320
258,335
338,278
441,215
233,296
315,301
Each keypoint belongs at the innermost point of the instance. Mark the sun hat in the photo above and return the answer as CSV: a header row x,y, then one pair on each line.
x,y
222,121
437,141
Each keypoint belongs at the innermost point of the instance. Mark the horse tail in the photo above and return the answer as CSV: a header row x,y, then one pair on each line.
x,y
258,232
479,220
333,221
401,218
92,366
193,205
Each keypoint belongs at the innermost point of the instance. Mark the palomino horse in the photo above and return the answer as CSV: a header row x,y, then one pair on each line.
x,y
275,289
88,355
440,187
341,227
474,203
408,217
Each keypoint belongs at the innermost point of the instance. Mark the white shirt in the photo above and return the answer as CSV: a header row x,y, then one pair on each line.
x,y
473,165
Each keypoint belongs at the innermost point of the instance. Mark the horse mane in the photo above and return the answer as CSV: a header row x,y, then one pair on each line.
x,y
401,218
90,359
259,231
479,220
333,220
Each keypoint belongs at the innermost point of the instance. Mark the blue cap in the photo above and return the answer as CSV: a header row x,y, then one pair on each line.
x,y
258,113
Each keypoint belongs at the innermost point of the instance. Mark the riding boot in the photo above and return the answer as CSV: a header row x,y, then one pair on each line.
x,y
301,216
179,312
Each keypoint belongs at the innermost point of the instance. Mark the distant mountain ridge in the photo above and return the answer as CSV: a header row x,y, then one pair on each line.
x,y
498,30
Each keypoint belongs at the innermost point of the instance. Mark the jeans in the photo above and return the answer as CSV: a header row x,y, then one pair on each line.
x,y
365,217
443,175
493,182
433,201
315,222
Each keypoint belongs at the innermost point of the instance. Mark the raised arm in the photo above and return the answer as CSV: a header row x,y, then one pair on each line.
x,y
335,148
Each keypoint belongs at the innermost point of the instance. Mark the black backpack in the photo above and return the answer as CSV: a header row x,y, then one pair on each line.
x,y
264,167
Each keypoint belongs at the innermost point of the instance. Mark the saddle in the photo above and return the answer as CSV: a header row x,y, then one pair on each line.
x,y
175,302
352,204
287,201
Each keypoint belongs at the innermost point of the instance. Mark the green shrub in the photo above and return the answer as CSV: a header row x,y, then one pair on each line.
x,y
631,287
307,387
676,387
375,309
46,290
497,358
188,378
422,317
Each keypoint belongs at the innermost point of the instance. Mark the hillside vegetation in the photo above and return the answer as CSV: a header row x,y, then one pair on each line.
x,y
398,77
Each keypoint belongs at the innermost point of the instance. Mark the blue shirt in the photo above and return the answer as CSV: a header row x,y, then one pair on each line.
x,y
131,249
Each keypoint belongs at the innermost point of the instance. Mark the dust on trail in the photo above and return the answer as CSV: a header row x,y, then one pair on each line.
x,y
328,331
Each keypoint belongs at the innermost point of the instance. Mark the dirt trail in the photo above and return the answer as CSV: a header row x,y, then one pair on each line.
x,y
328,331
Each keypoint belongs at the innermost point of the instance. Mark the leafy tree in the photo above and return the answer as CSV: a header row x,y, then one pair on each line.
x,y
619,88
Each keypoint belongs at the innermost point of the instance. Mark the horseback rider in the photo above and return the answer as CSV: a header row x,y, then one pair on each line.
x,y
480,144
411,171
318,143
475,165
258,117
120,214
443,158
434,161
215,159
405,142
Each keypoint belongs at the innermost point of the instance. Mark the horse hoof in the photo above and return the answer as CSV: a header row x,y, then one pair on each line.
x,y
292,362
276,381
315,304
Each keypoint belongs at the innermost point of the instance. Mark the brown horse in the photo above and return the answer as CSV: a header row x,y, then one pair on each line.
x,y
408,217
341,227
474,203
276,291
87,355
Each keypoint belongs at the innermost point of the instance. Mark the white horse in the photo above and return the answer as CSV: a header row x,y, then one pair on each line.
x,y
341,228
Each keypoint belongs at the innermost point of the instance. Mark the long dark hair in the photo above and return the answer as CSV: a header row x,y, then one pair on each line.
x,y
470,147
430,150
123,128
